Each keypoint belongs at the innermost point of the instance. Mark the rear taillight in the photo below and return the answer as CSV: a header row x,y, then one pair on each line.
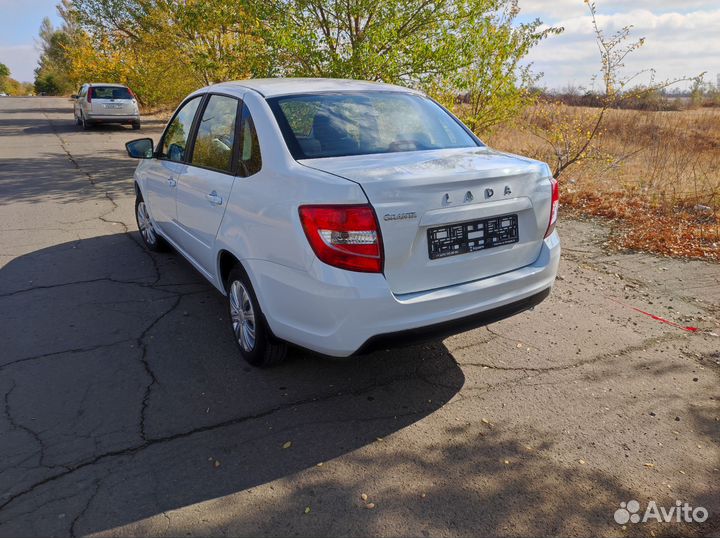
x,y
554,205
90,95
132,94
344,236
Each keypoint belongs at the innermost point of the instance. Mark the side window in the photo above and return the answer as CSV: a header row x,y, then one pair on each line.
x,y
177,133
250,145
215,138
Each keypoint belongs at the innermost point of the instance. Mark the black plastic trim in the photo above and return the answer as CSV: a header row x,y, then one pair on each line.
x,y
448,328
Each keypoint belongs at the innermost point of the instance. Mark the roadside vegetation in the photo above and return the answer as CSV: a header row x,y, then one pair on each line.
x,y
10,86
644,156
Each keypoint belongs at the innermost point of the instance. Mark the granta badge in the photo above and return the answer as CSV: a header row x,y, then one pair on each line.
x,y
400,216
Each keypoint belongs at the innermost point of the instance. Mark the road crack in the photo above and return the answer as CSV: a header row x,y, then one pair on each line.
x,y
154,441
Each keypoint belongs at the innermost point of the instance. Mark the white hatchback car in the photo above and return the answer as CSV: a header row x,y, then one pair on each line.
x,y
345,216
105,103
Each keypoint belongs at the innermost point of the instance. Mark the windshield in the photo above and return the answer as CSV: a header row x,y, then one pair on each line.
x,y
359,123
110,92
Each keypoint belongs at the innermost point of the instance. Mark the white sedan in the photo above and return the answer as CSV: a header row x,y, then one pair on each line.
x,y
345,216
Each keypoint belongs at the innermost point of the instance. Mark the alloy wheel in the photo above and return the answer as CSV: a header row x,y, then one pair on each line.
x,y
243,316
145,224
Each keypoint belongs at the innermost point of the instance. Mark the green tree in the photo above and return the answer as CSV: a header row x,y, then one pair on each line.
x,y
4,76
451,48
52,76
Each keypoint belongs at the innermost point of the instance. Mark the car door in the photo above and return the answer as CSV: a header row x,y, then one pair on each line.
x,y
82,102
163,172
76,102
204,188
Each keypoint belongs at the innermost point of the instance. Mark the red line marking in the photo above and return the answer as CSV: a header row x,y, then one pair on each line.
x,y
657,318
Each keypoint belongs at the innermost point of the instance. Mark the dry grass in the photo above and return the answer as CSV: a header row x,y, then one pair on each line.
x,y
655,174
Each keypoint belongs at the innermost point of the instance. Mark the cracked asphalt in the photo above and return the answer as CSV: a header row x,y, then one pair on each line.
x,y
127,411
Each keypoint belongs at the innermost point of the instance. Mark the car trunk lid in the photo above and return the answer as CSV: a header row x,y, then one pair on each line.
x,y
413,192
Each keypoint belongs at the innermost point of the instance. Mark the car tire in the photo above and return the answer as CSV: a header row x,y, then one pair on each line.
x,y
136,126
85,124
249,327
151,239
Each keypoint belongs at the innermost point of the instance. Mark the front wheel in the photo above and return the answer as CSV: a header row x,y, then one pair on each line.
x,y
150,237
252,335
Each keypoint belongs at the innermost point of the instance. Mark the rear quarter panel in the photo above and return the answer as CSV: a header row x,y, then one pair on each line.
x,y
261,221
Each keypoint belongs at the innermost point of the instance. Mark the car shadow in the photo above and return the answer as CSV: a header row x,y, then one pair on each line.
x,y
125,400
119,365
51,177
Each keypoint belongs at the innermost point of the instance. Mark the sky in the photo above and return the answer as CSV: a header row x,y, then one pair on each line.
x,y
682,37
19,24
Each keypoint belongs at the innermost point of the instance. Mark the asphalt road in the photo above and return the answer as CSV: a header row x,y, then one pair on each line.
x,y
127,410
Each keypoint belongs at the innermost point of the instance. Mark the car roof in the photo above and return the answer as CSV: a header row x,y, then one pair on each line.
x,y
272,87
111,84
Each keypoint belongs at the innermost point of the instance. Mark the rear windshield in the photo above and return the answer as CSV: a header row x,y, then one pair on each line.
x,y
110,92
360,123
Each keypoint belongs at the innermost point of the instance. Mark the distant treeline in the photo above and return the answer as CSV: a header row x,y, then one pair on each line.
x,y
640,98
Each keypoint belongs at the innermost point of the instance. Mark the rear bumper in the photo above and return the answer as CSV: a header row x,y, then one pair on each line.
x,y
97,118
340,313
449,328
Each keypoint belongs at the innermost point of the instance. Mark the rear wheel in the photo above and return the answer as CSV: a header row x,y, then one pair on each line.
x,y
136,126
252,335
150,237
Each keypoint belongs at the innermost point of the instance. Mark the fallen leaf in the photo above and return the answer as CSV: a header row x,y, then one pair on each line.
x,y
307,509
287,444
364,496
370,506
581,462
216,463
649,464
507,462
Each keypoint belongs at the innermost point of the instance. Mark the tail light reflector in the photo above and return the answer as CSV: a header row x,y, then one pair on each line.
x,y
554,206
344,236
90,93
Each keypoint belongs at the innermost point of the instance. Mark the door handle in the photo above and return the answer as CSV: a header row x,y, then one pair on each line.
x,y
214,198
172,182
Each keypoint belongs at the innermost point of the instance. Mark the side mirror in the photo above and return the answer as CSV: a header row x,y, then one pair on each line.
x,y
73,96
142,148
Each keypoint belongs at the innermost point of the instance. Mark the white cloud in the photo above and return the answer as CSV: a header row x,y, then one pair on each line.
x,y
22,61
677,44
554,9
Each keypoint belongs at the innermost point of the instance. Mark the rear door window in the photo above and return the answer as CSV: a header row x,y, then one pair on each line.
x,y
215,139
250,158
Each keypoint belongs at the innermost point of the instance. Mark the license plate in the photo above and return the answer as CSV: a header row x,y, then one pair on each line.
x,y
113,106
455,239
